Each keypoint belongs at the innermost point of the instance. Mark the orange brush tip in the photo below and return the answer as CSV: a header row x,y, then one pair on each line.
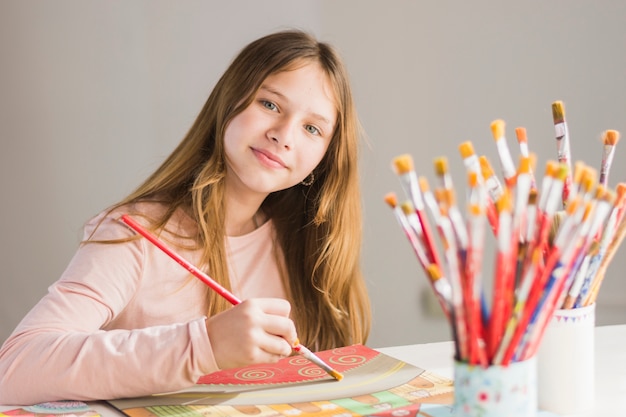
x,y
533,160
587,182
391,199
551,168
472,179
620,198
610,137
621,189
441,165
524,165
579,170
558,112
588,209
485,167
600,192
537,256
466,149
474,210
497,129
520,133
423,182
572,206
335,375
610,197
561,172
450,197
407,207
403,164
434,272
592,176
504,202
440,195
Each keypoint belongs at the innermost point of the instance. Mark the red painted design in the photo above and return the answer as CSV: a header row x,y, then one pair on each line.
x,y
293,369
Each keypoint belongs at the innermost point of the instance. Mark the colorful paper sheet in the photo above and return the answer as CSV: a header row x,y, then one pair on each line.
x,y
374,384
53,409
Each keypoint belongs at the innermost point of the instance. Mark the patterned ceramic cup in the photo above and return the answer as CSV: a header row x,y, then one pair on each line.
x,y
496,391
566,362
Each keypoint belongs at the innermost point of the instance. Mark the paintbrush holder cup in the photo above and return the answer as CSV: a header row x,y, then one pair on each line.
x,y
496,391
565,362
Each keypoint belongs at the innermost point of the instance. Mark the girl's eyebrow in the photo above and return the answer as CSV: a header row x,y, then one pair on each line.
x,y
314,115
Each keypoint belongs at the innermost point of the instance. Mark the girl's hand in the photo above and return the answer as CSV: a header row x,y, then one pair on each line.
x,y
255,331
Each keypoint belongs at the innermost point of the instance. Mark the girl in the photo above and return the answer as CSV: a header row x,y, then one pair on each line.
x,y
262,194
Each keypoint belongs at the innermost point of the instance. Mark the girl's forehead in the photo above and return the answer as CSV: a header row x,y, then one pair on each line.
x,y
307,86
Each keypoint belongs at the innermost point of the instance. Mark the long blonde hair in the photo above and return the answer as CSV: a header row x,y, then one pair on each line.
x,y
318,227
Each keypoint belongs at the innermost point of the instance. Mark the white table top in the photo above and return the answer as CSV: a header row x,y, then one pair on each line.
x,y
610,362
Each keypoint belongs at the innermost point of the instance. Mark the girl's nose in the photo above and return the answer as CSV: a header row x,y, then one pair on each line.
x,y
282,134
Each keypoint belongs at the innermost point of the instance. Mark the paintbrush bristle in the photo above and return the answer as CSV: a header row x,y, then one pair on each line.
x,y
561,172
466,149
335,375
497,129
450,197
600,192
472,179
391,199
572,206
504,203
620,194
533,160
407,208
594,248
475,210
532,196
591,177
524,165
440,196
423,182
441,165
557,219
579,170
588,181
520,133
485,167
610,137
551,168
403,164
434,272
588,210
609,196
558,112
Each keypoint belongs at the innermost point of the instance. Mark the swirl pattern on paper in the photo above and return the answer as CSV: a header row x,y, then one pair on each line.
x,y
254,374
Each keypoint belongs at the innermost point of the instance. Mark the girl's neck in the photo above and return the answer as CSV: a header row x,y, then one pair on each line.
x,y
243,211
243,226
243,216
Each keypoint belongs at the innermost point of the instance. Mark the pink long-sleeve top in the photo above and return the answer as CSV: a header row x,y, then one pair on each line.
x,y
126,320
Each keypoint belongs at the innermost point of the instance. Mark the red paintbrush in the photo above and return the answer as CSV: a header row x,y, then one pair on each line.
x,y
221,290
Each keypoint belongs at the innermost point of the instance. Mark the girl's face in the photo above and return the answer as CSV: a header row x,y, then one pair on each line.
x,y
283,134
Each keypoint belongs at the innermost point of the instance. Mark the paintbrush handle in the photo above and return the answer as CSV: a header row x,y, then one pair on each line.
x,y
218,288
316,360
183,262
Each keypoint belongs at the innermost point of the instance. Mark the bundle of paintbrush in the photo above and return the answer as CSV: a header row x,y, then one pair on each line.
x,y
554,240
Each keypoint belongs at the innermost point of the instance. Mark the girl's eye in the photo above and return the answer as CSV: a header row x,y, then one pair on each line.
x,y
269,105
312,130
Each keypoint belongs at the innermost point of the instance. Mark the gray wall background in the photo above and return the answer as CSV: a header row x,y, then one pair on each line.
x,y
94,95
